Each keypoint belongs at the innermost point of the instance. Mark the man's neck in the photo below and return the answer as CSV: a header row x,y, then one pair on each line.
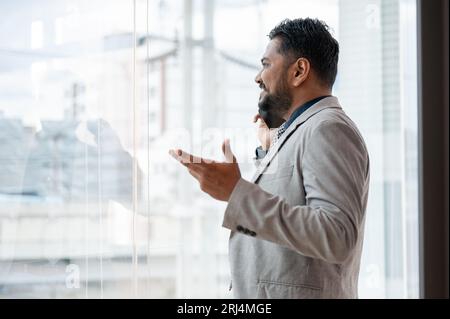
x,y
297,102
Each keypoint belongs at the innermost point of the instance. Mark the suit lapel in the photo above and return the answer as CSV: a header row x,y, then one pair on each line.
x,y
329,102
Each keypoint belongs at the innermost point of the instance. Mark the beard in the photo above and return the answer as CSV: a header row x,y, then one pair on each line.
x,y
273,106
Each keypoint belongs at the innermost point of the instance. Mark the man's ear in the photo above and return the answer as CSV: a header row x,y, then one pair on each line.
x,y
300,71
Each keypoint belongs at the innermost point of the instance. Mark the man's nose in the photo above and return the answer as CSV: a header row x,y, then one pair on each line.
x,y
258,78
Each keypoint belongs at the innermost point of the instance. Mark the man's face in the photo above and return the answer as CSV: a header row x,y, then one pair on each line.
x,y
275,98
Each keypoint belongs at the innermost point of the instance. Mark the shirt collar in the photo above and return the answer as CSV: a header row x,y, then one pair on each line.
x,y
302,109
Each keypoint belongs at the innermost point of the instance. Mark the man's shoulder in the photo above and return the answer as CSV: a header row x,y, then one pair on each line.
x,y
325,117
326,121
329,117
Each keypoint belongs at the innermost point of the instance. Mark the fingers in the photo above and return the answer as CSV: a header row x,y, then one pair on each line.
x,y
185,158
226,149
256,118
176,154
195,169
197,163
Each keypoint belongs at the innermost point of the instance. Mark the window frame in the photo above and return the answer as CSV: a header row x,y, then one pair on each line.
x,y
433,104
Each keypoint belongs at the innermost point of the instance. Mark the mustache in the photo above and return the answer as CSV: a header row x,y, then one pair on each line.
x,y
262,86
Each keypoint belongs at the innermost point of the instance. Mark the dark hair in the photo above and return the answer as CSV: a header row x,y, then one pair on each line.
x,y
310,39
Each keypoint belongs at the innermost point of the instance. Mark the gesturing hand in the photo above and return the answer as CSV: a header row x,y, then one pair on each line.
x,y
217,179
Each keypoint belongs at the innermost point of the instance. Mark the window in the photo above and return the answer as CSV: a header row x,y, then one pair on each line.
x,y
92,96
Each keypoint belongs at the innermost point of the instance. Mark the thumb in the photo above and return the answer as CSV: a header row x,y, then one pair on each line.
x,y
226,149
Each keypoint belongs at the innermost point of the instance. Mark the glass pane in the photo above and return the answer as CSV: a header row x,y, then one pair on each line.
x,y
92,96
66,179
377,87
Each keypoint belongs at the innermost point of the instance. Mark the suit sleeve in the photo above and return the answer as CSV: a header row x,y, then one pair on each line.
x,y
335,177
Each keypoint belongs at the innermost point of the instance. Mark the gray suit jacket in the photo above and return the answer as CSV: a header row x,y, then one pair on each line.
x,y
297,228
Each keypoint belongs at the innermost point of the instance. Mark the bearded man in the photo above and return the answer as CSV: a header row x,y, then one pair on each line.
x,y
297,226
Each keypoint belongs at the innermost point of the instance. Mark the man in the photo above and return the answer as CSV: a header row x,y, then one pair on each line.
x,y
297,227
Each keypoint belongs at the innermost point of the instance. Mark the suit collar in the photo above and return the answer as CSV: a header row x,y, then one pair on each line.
x,y
328,102
325,103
